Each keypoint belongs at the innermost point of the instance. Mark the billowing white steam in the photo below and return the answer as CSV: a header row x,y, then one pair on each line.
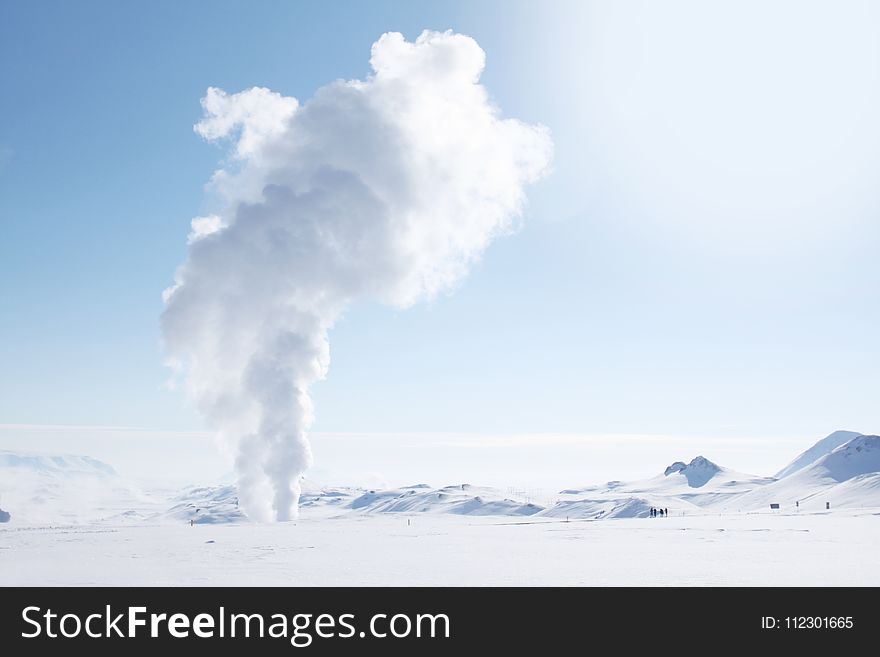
x,y
386,188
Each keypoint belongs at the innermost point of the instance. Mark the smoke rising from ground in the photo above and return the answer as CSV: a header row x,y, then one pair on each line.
x,y
386,188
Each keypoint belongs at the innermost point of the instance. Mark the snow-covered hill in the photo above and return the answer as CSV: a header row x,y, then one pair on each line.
x,y
462,499
54,465
817,451
845,473
205,505
600,507
860,456
847,477
328,498
62,488
682,488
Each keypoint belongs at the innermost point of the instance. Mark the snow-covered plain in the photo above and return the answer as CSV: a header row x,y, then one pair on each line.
x,y
74,521
446,550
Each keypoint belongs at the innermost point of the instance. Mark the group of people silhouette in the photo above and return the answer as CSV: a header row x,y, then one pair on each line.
x,y
659,512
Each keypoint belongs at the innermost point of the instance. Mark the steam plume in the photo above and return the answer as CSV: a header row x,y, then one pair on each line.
x,y
386,188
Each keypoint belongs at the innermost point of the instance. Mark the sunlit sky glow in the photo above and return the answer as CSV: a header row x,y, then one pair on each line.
x,y
700,265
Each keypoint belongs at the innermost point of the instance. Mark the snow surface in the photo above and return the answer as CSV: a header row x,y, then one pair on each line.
x,y
73,520
446,550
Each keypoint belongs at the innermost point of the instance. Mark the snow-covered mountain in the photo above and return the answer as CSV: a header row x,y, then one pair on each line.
x,y
847,462
860,456
54,465
681,488
847,477
817,451
841,470
40,488
701,476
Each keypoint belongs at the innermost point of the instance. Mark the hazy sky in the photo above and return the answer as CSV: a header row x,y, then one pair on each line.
x,y
701,262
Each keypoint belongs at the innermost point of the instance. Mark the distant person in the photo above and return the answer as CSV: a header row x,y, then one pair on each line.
x,y
666,512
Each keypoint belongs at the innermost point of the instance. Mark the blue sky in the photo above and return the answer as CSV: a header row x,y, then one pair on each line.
x,y
701,262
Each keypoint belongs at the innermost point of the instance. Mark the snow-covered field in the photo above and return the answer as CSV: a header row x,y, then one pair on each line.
x,y
72,520
385,549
